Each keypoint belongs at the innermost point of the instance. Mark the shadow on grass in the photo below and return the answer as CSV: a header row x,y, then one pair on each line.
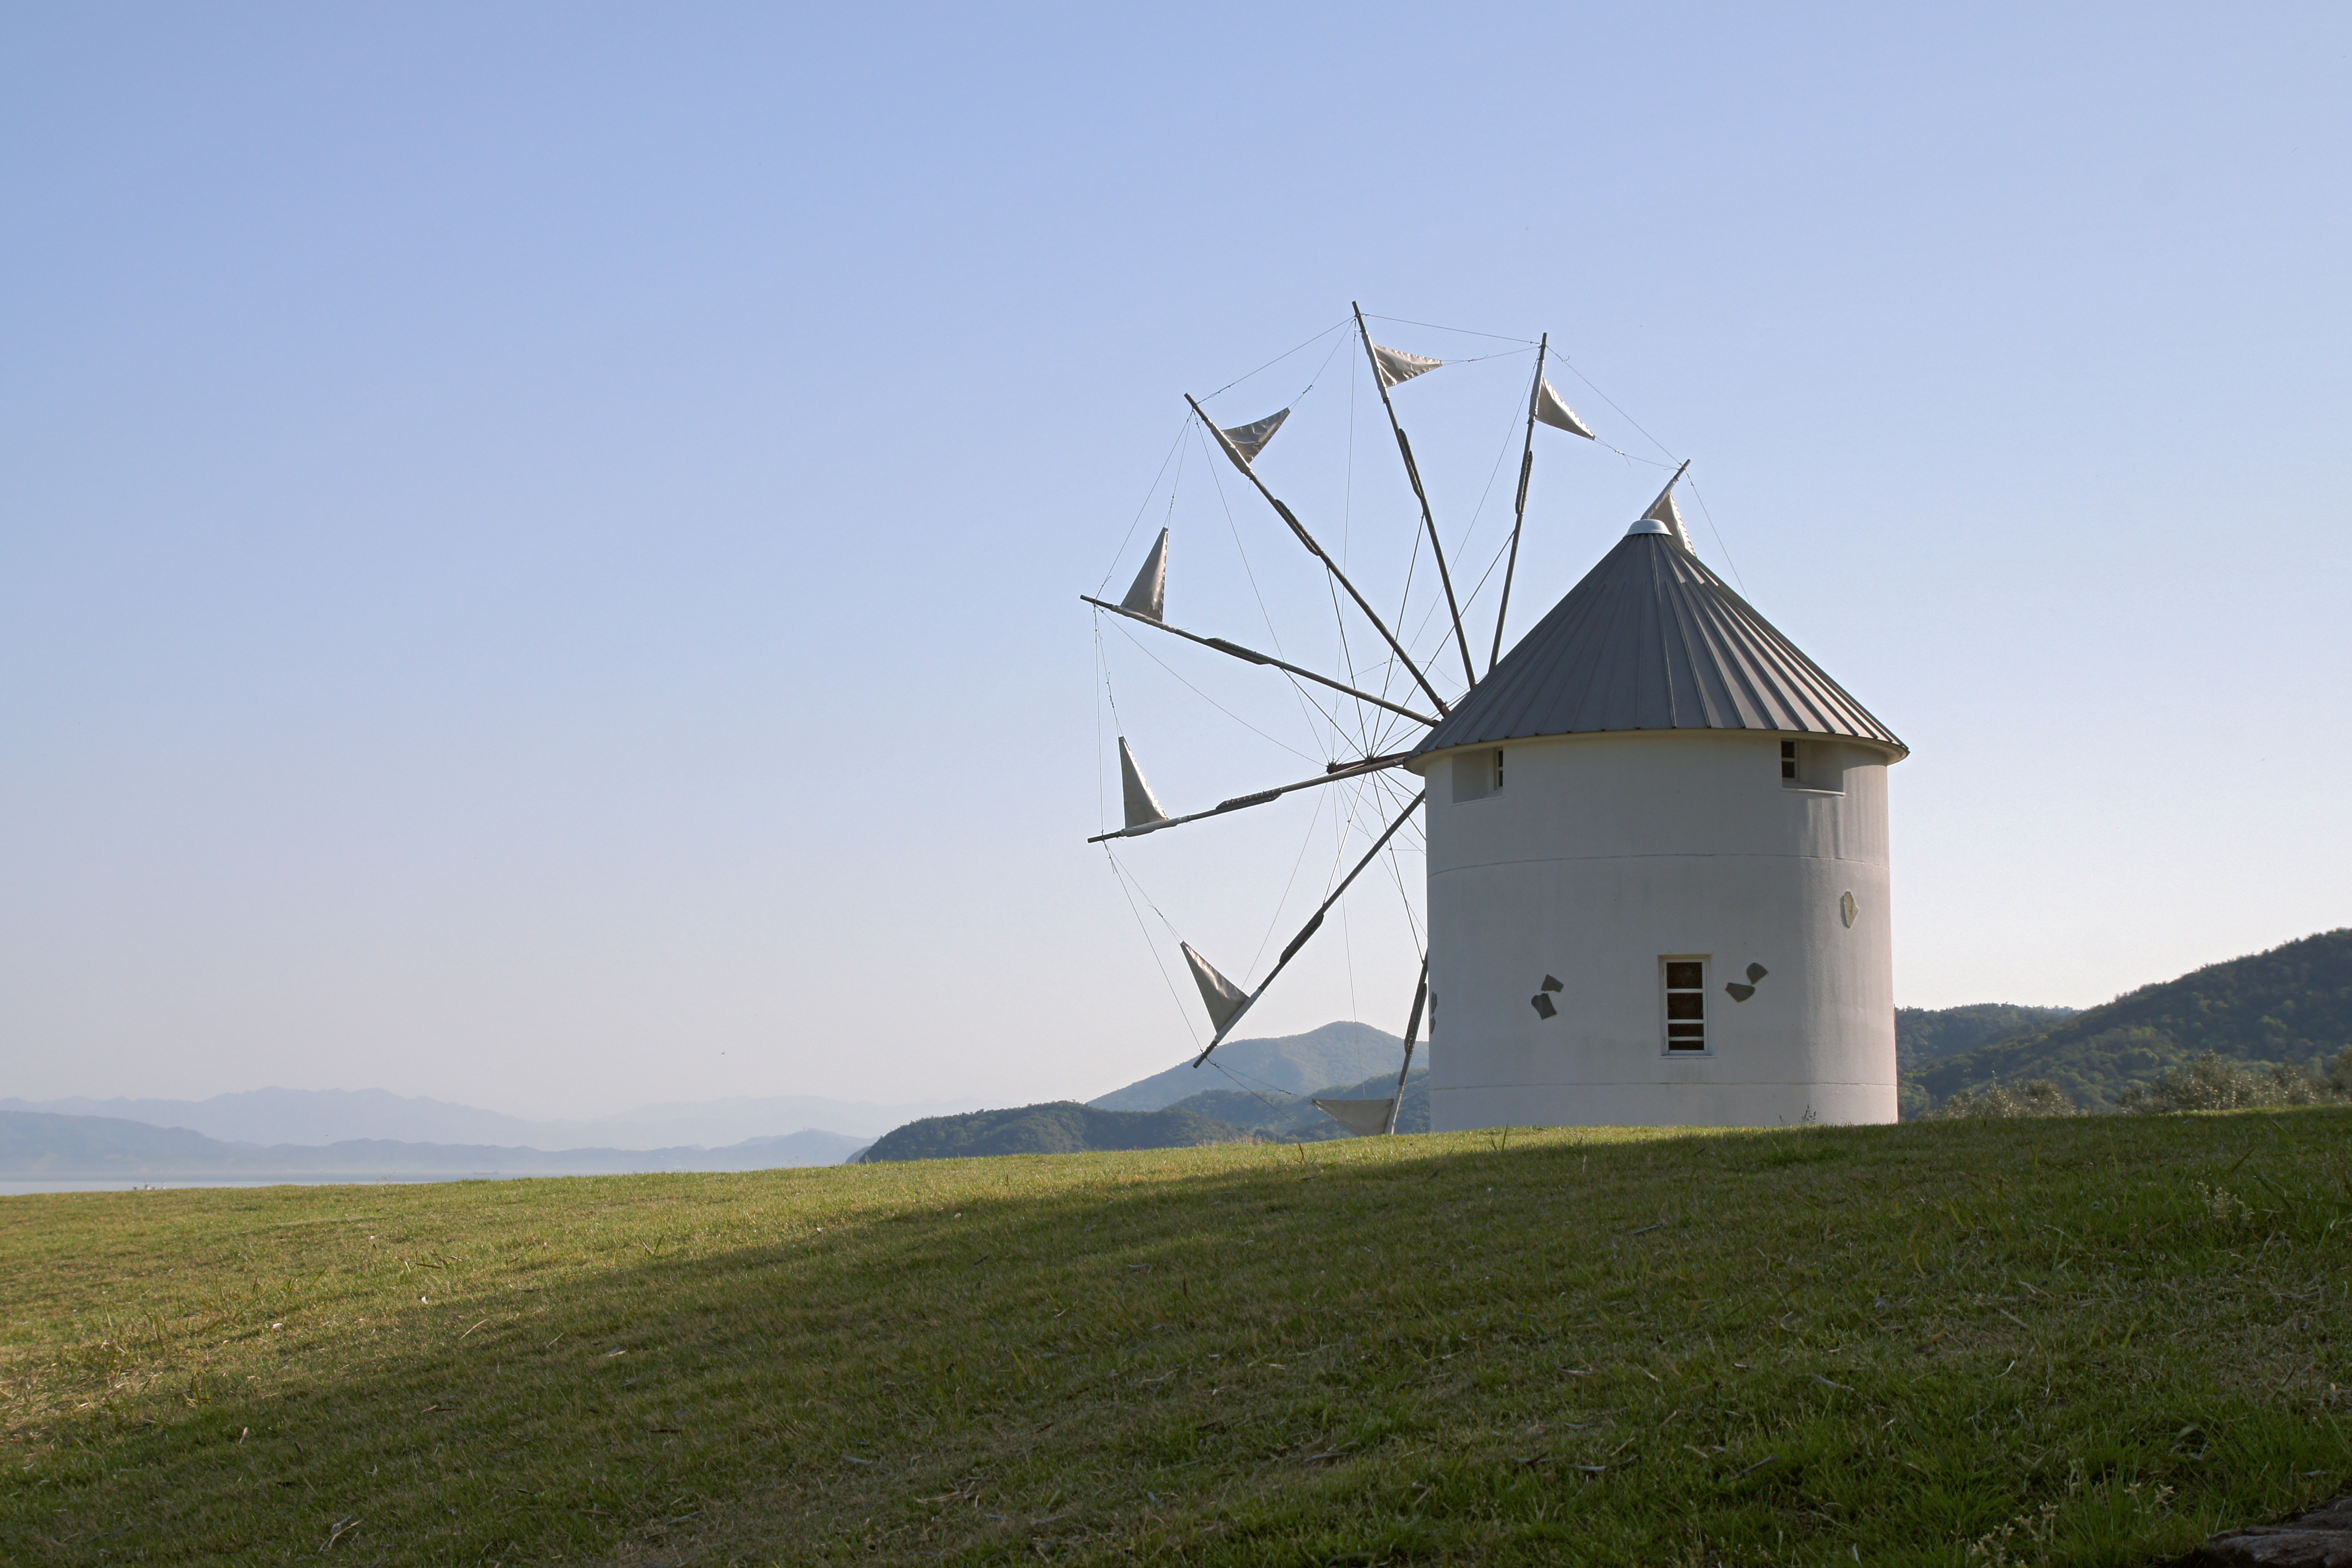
x,y
2085,1341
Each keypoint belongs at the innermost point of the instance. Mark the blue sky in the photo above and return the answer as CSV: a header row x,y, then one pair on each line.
x,y
540,545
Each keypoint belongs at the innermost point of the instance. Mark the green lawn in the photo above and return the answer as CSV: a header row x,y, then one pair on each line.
x,y
2071,1341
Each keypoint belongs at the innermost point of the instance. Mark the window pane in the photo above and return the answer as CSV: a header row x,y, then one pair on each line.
x,y
1686,1003
1685,976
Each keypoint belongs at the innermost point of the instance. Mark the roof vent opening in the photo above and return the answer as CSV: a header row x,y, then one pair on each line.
x,y
1815,766
1477,775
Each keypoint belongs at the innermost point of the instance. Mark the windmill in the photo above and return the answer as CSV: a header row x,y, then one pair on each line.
x,y
1655,832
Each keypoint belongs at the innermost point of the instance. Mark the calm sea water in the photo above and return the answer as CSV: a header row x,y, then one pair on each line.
x,y
19,1188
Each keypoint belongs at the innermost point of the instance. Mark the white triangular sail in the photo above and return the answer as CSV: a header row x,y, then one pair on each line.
x,y
1396,365
1248,440
1550,410
1142,807
1223,999
1664,509
1151,591
1367,1118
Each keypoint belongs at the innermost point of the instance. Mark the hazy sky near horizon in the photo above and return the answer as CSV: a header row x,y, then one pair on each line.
x,y
541,543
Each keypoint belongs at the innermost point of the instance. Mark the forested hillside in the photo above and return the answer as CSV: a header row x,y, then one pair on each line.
x,y
1059,1127
2292,1003
1923,1034
1293,1118
1212,1116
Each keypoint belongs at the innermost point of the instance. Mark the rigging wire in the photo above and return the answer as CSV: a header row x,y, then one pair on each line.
x,y
1332,589
1347,937
1280,357
1727,561
1432,326
1348,473
1139,511
1494,561
1347,652
1217,482
1396,875
1629,420
1315,379
1420,632
1211,700
1144,893
1245,1089
1102,669
1308,843
1233,527
1344,831
1119,874
1481,359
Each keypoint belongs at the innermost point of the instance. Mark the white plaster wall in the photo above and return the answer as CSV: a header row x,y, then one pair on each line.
x,y
1602,853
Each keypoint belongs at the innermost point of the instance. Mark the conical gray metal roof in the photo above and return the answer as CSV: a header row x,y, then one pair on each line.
x,y
1653,640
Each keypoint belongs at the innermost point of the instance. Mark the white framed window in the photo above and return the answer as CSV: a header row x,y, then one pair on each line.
x,y
1681,994
1477,775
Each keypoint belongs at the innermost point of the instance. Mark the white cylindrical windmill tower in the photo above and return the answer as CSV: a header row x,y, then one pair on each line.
x,y
1657,853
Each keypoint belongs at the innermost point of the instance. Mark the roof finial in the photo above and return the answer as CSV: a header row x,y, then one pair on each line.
x,y
1664,513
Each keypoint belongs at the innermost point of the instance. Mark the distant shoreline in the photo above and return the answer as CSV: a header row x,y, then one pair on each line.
x,y
32,1187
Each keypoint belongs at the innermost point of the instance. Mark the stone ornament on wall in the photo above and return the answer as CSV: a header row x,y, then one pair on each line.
x,y
1739,993
1847,910
1541,1000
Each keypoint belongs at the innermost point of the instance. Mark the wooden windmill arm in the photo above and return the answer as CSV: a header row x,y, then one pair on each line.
x,y
1251,655
1331,775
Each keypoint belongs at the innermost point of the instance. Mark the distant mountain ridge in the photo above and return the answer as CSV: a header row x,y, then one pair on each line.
x,y
2291,1004
42,1145
323,1116
1342,1052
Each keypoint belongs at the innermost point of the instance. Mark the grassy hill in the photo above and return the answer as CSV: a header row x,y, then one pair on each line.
x,y
2291,1004
2075,1342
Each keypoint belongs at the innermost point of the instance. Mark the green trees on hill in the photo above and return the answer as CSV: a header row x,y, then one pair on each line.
x,y
1923,1034
2210,1083
1214,1116
2291,1005
1060,1127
